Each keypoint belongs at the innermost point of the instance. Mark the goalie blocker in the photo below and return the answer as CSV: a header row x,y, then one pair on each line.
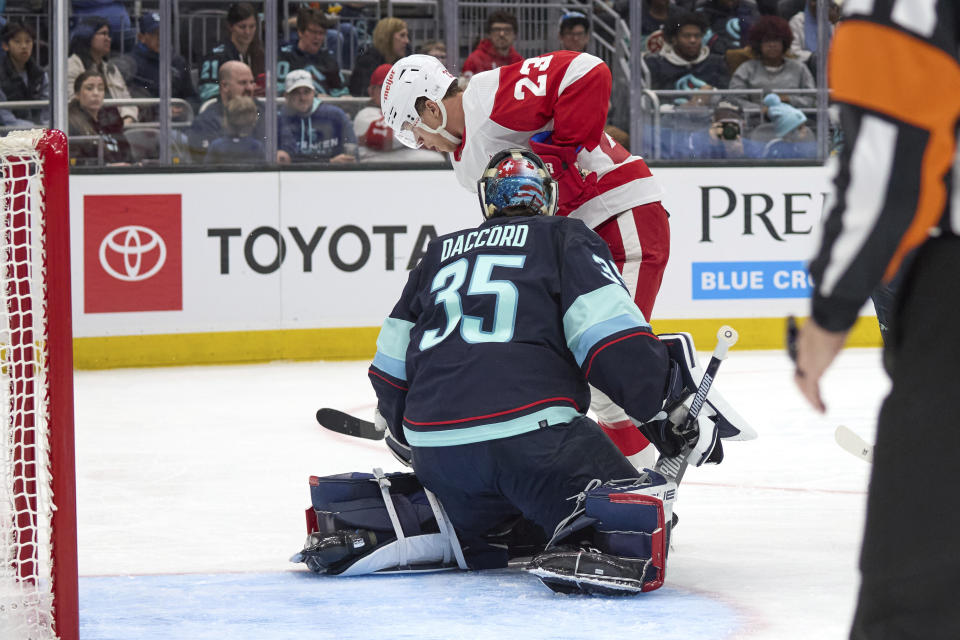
x,y
614,543
717,420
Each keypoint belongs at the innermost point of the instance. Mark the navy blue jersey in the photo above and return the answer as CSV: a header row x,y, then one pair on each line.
x,y
322,66
500,328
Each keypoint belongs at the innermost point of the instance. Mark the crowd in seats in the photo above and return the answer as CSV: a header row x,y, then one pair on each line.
x,y
90,48
763,53
704,51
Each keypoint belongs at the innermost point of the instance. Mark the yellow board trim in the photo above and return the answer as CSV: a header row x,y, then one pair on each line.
x,y
360,343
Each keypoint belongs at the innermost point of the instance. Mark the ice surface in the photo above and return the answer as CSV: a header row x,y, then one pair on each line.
x,y
192,483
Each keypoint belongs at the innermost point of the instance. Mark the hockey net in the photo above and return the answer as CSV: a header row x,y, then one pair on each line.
x,y
38,567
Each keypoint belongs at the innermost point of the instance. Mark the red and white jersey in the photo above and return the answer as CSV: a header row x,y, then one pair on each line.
x,y
567,93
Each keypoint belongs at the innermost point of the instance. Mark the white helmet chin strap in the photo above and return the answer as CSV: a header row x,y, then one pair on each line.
x,y
441,129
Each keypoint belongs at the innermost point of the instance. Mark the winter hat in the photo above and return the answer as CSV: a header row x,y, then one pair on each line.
x,y
150,22
784,117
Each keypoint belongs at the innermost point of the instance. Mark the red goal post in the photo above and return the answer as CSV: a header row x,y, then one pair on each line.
x,y
38,524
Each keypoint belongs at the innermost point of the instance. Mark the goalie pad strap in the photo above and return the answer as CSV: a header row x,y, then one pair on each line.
x,y
446,529
384,485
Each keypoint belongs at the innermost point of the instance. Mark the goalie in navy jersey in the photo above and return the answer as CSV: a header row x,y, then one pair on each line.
x,y
556,106
482,369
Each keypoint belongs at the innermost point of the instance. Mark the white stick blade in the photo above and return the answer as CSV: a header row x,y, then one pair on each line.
x,y
853,443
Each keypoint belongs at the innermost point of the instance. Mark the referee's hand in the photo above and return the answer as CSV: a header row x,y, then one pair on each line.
x,y
816,350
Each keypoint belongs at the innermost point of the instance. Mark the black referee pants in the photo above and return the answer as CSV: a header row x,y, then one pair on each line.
x,y
910,561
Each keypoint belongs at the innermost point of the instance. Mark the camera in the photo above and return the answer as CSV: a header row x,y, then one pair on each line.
x,y
730,131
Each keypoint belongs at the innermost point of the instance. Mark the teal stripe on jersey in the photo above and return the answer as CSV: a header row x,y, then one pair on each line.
x,y
598,314
484,432
392,347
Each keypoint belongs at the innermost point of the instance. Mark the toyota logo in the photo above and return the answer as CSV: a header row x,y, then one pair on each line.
x,y
132,242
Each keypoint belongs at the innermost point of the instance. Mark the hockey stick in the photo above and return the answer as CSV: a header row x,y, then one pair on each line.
x,y
853,444
348,425
676,466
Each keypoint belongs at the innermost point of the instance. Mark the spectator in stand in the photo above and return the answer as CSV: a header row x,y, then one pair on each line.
x,y
791,137
234,79
496,50
237,145
310,53
685,62
146,80
728,21
435,48
574,31
242,44
90,50
770,70
21,78
311,131
376,140
724,139
803,26
116,16
390,43
88,117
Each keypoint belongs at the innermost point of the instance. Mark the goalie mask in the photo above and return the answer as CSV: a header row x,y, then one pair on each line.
x,y
517,179
409,79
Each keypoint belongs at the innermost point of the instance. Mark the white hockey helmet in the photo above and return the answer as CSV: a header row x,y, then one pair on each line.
x,y
410,78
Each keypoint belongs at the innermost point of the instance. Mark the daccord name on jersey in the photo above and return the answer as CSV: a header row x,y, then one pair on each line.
x,y
504,235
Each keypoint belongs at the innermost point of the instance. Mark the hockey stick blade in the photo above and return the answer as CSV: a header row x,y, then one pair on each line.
x,y
853,444
347,424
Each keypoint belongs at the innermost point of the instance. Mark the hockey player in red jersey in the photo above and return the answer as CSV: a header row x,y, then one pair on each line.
x,y
556,105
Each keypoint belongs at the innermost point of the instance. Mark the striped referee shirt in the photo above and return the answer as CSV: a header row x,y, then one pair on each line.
x,y
894,70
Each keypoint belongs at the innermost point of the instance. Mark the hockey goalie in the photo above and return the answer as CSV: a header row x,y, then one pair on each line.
x,y
482,377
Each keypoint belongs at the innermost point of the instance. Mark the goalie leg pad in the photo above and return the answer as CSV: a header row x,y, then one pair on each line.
x,y
622,538
362,523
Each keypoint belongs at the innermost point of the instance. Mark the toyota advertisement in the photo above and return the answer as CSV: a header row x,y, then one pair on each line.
x,y
168,254
133,244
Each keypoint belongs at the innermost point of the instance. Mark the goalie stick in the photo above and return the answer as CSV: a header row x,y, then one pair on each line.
x,y
676,466
852,443
348,425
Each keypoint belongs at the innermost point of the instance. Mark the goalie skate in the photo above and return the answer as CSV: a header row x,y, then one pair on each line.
x,y
590,572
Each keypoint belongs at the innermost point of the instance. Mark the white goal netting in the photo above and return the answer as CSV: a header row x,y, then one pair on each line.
x,y
26,496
